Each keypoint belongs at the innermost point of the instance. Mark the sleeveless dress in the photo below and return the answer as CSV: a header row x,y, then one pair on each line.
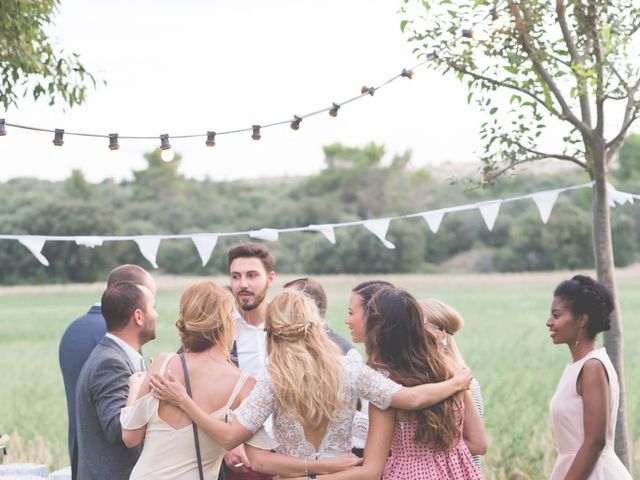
x,y
360,381
169,453
417,461
567,416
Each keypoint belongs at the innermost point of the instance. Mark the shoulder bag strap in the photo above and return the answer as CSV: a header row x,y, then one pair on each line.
x,y
195,427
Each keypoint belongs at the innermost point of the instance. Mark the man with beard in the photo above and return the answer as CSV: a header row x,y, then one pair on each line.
x,y
251,274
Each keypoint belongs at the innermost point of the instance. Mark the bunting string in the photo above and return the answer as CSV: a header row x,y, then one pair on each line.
x,y
205,242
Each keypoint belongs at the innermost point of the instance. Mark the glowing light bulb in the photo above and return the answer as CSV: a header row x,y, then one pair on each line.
x,y
167,155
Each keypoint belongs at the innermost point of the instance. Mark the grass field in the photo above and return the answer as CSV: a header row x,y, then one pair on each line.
x,y
505,341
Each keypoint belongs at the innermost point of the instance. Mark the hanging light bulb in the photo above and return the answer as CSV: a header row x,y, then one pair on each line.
x,y
211,139
333,111
58,139
256,132
113,142
407,73
295,124
166,153
496,20
369,90
3,128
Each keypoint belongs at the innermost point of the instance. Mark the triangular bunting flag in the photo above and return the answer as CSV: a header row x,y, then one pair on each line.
x,y
545,202
618,197
434,218
148,246
35,245
379,228
489,211
326,230
205,243
265,234
90,242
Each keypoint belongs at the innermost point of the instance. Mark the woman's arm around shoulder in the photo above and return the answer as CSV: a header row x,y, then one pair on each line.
x,y
138,412
376,450
167,388
593,386
426,395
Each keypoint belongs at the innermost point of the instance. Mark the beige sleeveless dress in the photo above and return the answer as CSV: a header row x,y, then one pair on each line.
x,y
567,415
169,453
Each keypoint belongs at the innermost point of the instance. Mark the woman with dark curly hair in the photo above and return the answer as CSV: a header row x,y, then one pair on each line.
x,y
584,408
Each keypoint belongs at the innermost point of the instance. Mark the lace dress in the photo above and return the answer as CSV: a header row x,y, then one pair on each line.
x,y
362,382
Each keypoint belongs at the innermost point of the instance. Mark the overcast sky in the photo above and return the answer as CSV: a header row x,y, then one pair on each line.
x,y
184,67
188,66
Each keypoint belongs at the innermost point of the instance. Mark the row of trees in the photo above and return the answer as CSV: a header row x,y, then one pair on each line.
x,y
356,183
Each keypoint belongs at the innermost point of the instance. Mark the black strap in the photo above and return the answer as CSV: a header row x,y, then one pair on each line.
x,y
195,427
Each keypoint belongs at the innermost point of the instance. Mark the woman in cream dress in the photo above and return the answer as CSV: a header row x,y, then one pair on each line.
x,y
584,408
207,328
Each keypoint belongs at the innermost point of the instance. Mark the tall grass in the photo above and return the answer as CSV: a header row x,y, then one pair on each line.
x,y
504,340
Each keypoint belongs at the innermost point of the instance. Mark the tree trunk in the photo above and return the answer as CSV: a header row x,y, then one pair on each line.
x,y
603,253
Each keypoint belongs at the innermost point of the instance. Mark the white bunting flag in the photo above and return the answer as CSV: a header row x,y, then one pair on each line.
x,y
618,197
35,245
270,234
90,242
545,202
148,246
326,230
434,218
205,243
379,228
489,211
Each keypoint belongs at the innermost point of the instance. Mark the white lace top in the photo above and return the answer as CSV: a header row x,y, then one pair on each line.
x,y
289,433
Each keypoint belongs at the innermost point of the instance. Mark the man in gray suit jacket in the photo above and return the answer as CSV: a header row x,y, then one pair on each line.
x,y
79,340
102,390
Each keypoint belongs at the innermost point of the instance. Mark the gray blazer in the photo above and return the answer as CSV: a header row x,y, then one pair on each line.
x,y
100,395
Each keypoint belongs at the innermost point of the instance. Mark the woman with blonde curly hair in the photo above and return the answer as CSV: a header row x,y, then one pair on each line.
x,y
206,327
310,390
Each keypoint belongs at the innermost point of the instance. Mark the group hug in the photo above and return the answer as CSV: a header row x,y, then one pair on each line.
x,y
263,389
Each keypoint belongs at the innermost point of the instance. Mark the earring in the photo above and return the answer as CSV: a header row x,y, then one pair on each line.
x,y
579,336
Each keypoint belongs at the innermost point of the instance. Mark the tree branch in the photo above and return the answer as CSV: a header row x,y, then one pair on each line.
x,y
545,76
558,156
501,83
597,44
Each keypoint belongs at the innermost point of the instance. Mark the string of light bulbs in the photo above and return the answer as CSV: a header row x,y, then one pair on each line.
x,y
166,152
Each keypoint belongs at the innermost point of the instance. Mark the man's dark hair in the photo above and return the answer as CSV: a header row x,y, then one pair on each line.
x,y
119,302
312,289
252,250
127,273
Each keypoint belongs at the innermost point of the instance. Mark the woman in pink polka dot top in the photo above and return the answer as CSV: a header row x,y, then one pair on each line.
x,y
433,443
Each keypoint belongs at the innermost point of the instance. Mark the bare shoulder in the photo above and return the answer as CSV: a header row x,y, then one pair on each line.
x,y
593,376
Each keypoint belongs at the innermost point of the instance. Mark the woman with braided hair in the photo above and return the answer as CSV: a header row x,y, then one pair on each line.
x,y
584,408
310,390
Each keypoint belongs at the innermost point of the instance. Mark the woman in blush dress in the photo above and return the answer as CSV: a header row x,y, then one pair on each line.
x,y
584,408
434,443
310,390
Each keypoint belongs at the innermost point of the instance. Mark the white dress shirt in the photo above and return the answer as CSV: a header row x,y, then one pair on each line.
x,y
136,359
251,347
